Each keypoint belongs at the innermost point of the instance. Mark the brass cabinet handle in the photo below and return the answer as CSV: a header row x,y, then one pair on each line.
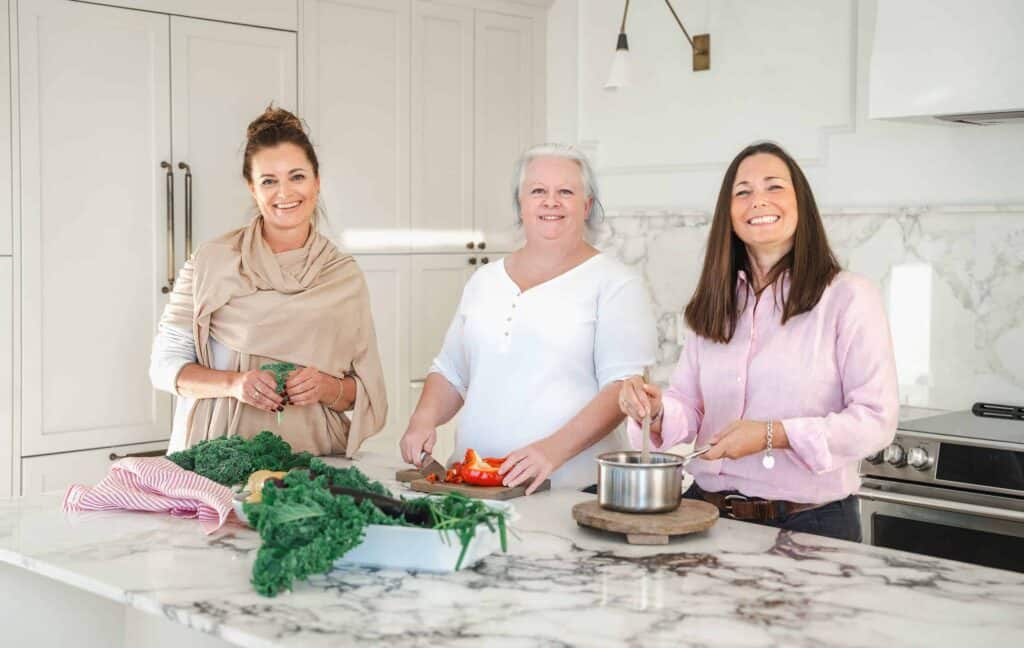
x,y
481,245
485,260
188,208
147,453
472,260
170,226
469,246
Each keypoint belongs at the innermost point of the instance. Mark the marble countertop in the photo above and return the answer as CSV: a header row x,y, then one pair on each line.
x,y
736,585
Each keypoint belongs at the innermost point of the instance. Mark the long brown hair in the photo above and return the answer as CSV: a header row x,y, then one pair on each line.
x,y
714,309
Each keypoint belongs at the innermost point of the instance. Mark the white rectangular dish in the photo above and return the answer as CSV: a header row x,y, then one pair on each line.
x,y
415,548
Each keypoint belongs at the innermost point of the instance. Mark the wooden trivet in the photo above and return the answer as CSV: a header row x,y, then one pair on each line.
x,y
648,528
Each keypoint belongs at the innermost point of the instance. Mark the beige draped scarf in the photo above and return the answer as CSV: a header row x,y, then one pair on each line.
x,y
307,306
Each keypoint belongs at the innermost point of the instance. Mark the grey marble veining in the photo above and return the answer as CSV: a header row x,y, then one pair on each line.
x,y
736,585
952,277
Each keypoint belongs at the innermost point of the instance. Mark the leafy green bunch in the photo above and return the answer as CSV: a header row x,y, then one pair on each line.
x,y
280,371
230,460
305,528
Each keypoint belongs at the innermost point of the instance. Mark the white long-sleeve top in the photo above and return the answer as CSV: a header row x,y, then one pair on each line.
x,y
173,348
527,362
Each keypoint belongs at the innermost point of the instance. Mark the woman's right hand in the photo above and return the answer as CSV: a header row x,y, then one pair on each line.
x,y
258,389
638,399
418,438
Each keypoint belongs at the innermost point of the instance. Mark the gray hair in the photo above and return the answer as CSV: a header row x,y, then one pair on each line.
x,y
565,151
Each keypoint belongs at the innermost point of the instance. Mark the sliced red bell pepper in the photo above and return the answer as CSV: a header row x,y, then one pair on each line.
x,y
480,472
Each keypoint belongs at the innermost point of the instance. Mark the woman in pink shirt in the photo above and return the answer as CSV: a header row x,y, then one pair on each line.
x,y
788,372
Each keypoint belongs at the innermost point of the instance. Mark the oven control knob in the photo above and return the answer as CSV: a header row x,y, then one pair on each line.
x,y
919,458
894,455
875,458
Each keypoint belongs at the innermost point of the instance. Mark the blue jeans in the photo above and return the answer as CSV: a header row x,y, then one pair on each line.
x,y
839,519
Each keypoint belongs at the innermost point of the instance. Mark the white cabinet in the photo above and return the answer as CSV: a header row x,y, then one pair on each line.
x,y
442,128
95,201
509,91
6,207
420,108
355,98
413,298
279,14
54,473
93,219
6,375
387,279
437,281
222,77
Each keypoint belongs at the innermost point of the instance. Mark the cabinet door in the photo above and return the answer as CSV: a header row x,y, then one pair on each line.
x,y
54,473
506,99
6,375
387,278
355,97
437,281
94,128
442,128
6,214
222,76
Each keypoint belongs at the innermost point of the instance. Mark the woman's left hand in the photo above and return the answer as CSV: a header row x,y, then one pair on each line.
x,y
304,386
536,461
738,439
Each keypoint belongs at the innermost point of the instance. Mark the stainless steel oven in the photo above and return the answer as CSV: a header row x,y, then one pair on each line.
x,y
950,486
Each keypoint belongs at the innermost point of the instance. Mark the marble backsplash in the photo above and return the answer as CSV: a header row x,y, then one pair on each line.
x,y
953,280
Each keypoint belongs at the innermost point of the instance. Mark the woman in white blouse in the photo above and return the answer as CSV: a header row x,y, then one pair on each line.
x,y
541,339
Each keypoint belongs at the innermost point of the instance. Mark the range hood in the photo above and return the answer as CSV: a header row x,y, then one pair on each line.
x,y
951,60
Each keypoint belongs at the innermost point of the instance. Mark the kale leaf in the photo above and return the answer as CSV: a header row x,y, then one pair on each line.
x,y
305,528
230,460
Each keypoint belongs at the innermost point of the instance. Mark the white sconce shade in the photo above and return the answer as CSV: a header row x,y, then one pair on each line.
x,y
618,76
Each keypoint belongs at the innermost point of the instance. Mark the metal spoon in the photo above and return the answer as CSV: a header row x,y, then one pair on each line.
x,y
696,453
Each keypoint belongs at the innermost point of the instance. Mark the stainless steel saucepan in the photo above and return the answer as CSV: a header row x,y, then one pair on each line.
x,y
625,483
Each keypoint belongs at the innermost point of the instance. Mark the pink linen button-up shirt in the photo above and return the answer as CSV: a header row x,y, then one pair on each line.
x,y
829,375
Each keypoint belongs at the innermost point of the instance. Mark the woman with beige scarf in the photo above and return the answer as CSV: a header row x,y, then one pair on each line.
x,y
273,291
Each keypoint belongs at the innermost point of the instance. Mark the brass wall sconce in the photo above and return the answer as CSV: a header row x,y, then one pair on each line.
x,y
618,76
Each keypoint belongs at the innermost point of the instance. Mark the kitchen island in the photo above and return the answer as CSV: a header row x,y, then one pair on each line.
x,y
736,585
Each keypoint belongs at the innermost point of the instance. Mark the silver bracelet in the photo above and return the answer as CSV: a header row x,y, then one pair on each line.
x,y
768,461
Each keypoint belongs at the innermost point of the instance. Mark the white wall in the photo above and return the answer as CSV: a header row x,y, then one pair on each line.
x,y
794,71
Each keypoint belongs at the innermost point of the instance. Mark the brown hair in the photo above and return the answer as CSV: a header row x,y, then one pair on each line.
x,y
274,127
714,309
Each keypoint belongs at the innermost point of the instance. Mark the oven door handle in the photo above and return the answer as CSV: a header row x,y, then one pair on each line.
x,y
941,505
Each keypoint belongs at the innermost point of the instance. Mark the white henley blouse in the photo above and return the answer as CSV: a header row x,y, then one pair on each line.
x,y
527,362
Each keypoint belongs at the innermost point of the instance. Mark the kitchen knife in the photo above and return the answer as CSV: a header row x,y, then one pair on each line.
x,y
431,466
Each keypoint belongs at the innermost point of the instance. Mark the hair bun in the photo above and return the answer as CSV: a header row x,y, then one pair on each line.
x,y
273,118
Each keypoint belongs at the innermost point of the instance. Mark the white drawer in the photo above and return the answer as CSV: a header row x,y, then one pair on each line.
x,y
54,473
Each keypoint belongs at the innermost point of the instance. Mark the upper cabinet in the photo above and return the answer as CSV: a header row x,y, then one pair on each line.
x,y
280,14
442,128
420,109
6,206
222,77
355,98
509,112
99,186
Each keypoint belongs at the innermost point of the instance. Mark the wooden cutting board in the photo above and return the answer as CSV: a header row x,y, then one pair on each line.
x,y
648,528
479,492
408,475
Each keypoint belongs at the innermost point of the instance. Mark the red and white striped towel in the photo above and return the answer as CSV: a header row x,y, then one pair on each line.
x,y
154,484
